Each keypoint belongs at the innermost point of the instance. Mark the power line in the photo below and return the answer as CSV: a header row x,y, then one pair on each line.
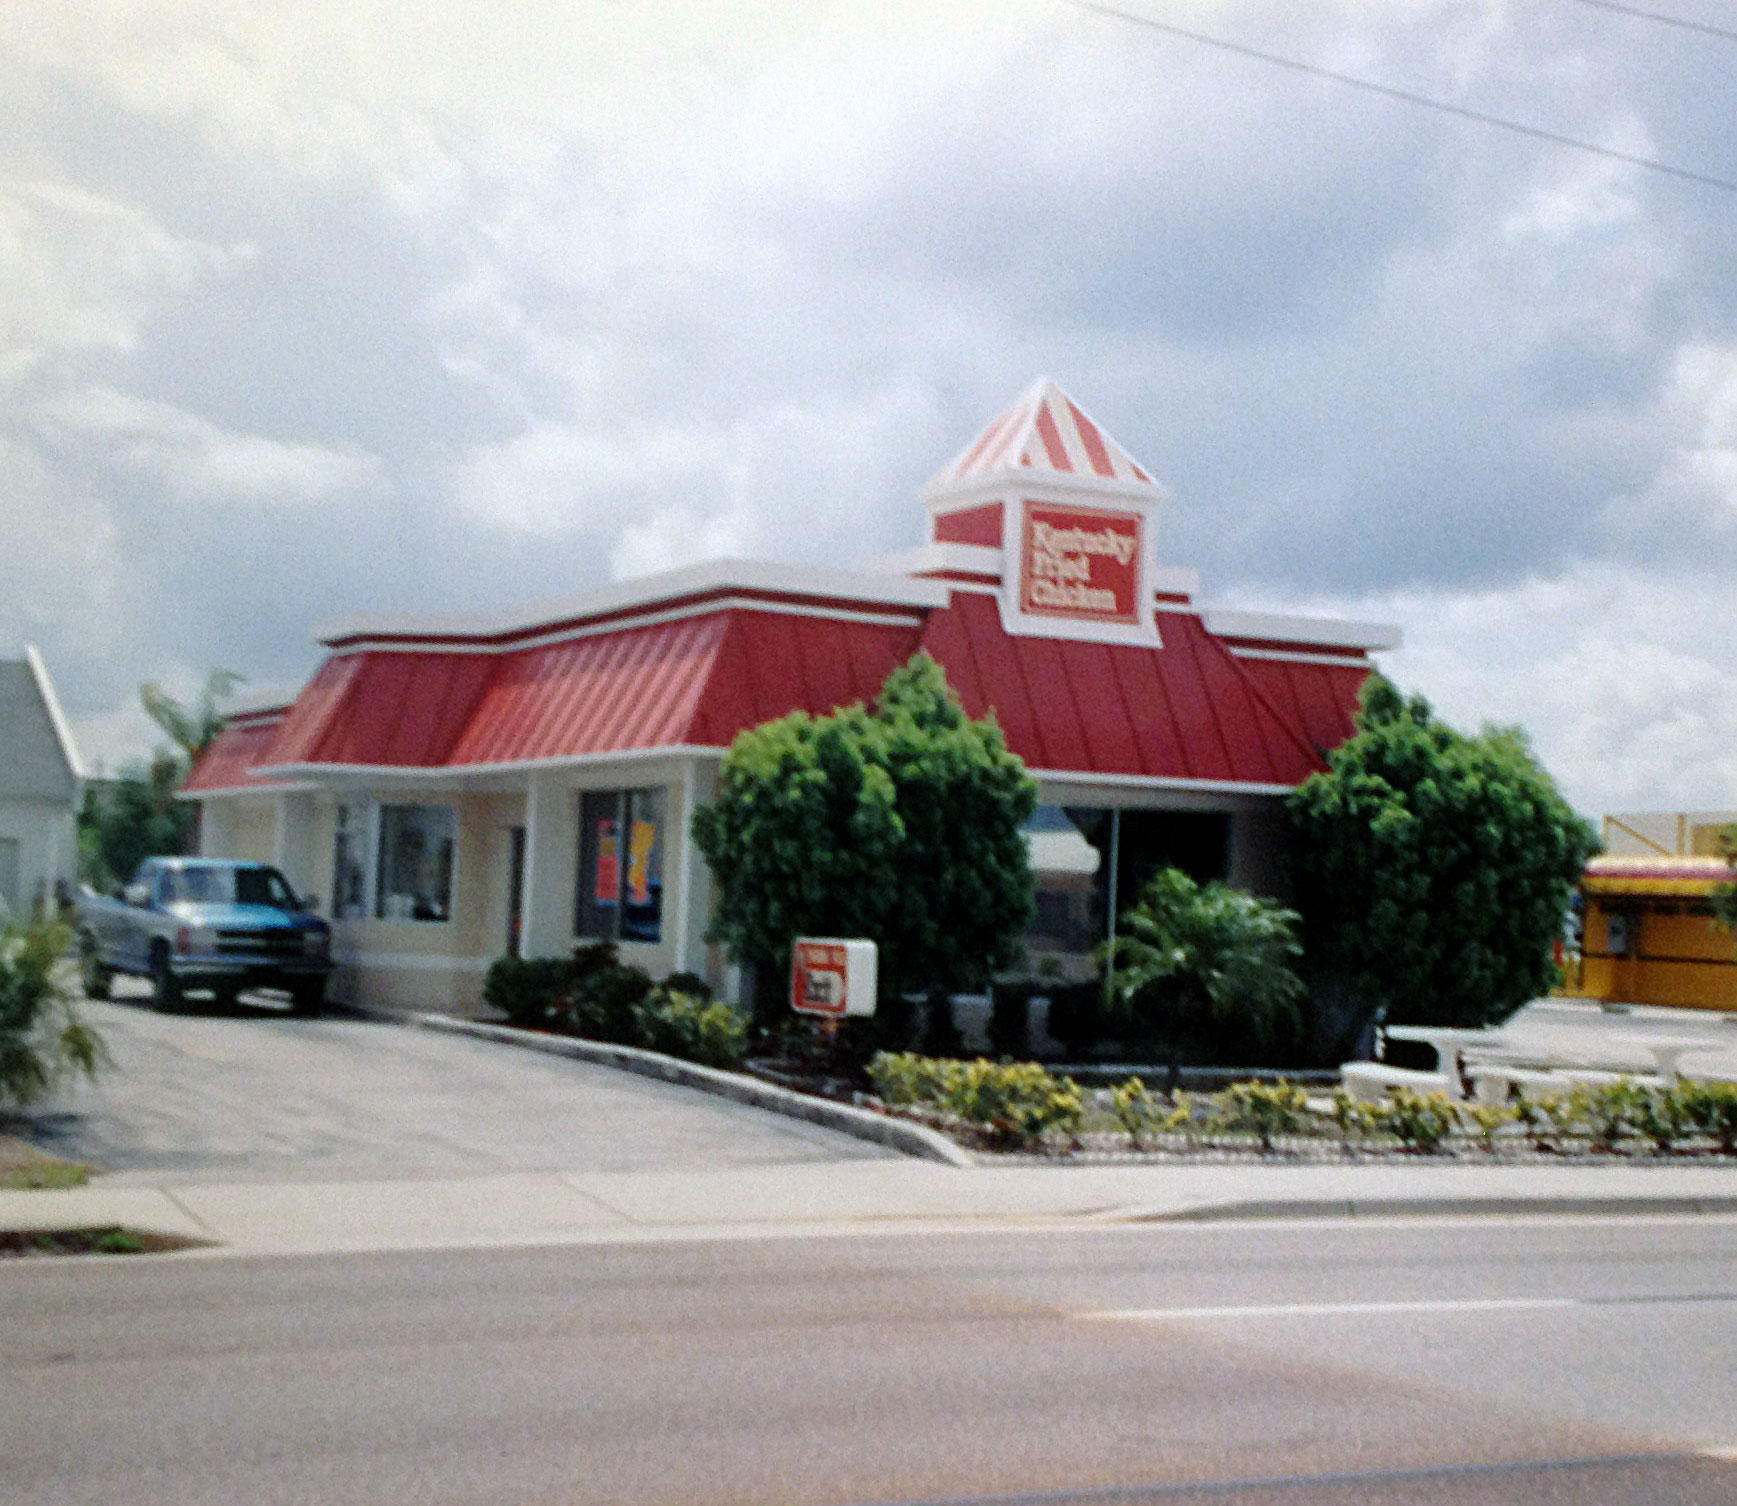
x,y
1314,70
1706,28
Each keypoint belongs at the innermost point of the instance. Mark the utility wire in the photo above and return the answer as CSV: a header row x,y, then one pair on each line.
x,y
1706,28
1314,70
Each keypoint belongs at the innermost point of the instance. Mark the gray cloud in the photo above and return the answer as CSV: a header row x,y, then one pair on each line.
x,y
303,319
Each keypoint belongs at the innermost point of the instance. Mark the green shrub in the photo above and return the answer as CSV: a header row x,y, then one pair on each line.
x,y
1549,1121
1711,1108
1607,1113
1419,1121
42,1039
1141,1113
528,990
903,1079
601,1002
1261,1109
691,984
697,1030
1662,1116
1016,1103
1484,1120
1356,1117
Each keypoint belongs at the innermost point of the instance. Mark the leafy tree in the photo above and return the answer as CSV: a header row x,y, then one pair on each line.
x,y
1193,955
135,817
1433,870
42,1039
191,728
900,822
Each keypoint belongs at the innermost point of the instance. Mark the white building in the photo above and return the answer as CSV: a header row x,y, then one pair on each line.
x,y
41,785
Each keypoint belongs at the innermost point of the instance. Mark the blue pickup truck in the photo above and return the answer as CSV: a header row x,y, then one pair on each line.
x,y
205,924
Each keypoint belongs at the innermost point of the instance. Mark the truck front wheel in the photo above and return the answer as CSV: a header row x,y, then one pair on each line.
x,y
308,996
165,986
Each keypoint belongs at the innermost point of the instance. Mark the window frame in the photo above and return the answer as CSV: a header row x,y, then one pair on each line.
x,y
378,826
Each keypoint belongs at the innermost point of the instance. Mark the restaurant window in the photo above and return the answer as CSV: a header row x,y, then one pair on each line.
x,y
350,863
621,838
415,864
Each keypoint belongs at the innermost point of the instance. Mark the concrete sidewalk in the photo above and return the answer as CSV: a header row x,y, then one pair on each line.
x,y
807,1199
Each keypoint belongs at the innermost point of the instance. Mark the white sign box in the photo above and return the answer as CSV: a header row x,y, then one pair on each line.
x,y
833,977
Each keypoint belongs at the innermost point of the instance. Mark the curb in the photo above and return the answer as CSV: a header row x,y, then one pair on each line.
x,y
1280,1208
895,1134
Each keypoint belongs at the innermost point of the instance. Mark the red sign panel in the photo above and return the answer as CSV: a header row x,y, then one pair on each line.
x,y
607,889
819,974
1079,562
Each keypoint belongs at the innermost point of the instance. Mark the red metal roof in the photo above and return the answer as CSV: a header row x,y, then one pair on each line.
x,y
1189,710
1185,711
404,709
228,762
1320,700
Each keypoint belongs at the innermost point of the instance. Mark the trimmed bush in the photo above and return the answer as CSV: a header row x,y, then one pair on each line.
x,y
1711,1108
604,996
903,1079
528,990
1015,1103
1142,1114
1419,1121
698,1030
1261,1109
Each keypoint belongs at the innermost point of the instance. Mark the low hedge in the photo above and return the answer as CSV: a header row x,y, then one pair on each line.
x,y
1013,1103
1020,1105
595,995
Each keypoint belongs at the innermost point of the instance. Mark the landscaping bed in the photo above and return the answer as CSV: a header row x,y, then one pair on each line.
x,y
25,1168
111,1239
1018,1108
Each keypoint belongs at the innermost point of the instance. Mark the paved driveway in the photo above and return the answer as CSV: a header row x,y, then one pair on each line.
x,y
258,1096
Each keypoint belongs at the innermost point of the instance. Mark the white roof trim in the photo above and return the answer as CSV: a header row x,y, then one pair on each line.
x,y
467,770
250,703
703,750
1298,656
56,716
1284,628
709,608
262,791
970,559
1160,782
646,591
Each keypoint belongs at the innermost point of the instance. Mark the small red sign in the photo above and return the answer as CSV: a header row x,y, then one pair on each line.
x,y
607,890
1079,562
819,977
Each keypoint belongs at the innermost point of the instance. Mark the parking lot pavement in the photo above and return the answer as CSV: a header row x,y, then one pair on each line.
x,y
258,1096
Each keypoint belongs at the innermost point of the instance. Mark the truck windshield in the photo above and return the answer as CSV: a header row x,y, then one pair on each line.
x,y
228,886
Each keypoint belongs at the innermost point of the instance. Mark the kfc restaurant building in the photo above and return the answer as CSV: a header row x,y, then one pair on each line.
x,y
458,787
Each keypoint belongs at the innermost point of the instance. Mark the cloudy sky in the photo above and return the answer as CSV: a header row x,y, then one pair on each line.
x,y
434,304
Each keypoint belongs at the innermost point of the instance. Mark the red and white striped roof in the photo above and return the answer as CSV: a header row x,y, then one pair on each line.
x,y
1044,430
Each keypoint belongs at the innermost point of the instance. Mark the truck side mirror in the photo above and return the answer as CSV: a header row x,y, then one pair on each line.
x,y
309,903
138,895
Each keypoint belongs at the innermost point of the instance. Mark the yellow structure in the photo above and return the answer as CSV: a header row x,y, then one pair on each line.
x,y
1649,935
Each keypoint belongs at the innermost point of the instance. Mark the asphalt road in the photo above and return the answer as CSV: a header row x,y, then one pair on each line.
x,y
1574,1362
257,1095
